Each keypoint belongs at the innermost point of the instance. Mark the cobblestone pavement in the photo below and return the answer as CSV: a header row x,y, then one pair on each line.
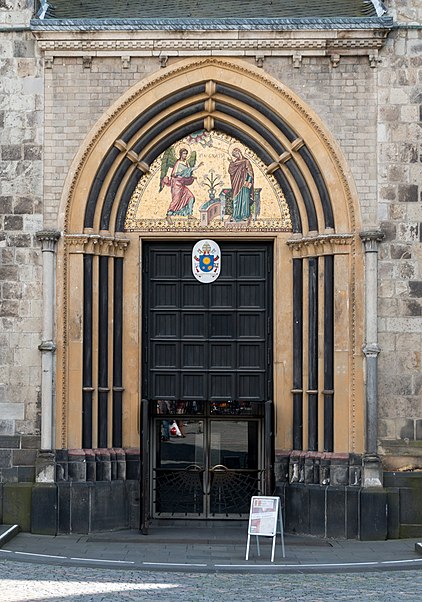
x,y
23,582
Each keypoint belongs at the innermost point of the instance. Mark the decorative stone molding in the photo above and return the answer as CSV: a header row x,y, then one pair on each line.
x,y
121,145
48,239
272,46
372,471
371,350
259,59
87,62
163,61
95,244
319,468
370,239
374,59
47,346
321,244
287,38
335,60
295,147
297,60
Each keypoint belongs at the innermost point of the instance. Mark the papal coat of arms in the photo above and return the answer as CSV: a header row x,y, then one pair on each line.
x,y
206,260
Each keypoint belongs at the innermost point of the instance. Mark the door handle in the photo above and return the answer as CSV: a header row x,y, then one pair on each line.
x,y
195,468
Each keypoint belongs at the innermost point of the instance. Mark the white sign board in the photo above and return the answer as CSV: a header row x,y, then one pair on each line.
x,y
264,518
206,260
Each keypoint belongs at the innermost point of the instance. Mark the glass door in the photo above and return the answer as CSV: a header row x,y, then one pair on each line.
x,y
205,468
233,474
178,474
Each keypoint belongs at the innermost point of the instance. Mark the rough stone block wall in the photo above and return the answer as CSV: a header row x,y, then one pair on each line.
x,y
21,114
375,114
400,257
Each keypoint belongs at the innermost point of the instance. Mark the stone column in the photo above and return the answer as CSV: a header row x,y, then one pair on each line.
x,y
48,240
372,469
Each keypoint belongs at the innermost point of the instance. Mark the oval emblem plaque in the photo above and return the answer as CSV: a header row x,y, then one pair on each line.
x,y
206,260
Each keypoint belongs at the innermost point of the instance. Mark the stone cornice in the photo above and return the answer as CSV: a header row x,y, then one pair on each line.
x,y
253,41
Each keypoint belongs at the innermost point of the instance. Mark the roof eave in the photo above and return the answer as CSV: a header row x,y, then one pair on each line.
x,y
326,23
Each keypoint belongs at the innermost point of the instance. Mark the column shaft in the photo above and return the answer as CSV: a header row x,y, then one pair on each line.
x,y
372,467
48,240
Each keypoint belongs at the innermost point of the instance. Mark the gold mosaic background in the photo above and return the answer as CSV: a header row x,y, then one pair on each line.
x,y
209,154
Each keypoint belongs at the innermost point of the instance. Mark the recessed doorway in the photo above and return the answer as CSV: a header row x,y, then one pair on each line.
x,y
207,380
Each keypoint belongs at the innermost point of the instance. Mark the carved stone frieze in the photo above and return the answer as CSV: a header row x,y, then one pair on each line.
x,y
95,244
298,43
322,244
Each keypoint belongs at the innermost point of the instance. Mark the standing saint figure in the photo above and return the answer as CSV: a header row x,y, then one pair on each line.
x,y
242,183
182,199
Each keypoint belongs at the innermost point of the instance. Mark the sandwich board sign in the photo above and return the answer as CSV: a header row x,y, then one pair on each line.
x,y
265,520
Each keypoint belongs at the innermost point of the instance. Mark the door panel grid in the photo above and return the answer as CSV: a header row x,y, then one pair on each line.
x,y
207,341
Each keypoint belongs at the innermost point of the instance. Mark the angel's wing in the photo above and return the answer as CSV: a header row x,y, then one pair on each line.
x,y
192,159
168,160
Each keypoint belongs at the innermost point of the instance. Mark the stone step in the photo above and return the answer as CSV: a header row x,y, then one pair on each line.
x,y
8,532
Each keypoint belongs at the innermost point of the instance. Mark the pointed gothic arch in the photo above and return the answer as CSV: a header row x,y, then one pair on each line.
x,y
229,96
315,359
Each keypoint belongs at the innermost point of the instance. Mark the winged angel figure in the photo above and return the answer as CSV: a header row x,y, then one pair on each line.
x,y
180,177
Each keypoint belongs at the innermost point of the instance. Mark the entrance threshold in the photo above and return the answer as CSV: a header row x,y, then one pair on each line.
x,y
162,531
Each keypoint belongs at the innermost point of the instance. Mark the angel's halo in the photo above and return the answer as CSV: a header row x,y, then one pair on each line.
x,y
178,146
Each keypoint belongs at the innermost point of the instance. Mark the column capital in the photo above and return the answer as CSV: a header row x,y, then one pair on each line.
x,y
47,346
371,349
48,239
370,239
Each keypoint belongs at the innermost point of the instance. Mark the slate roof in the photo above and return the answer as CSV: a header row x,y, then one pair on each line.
x,y
207,9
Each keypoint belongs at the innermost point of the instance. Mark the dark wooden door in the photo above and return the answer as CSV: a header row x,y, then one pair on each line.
x,y
207,342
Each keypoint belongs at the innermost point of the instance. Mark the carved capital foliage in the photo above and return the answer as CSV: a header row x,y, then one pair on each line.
x,y
94,244
322,244
48,239
371,239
